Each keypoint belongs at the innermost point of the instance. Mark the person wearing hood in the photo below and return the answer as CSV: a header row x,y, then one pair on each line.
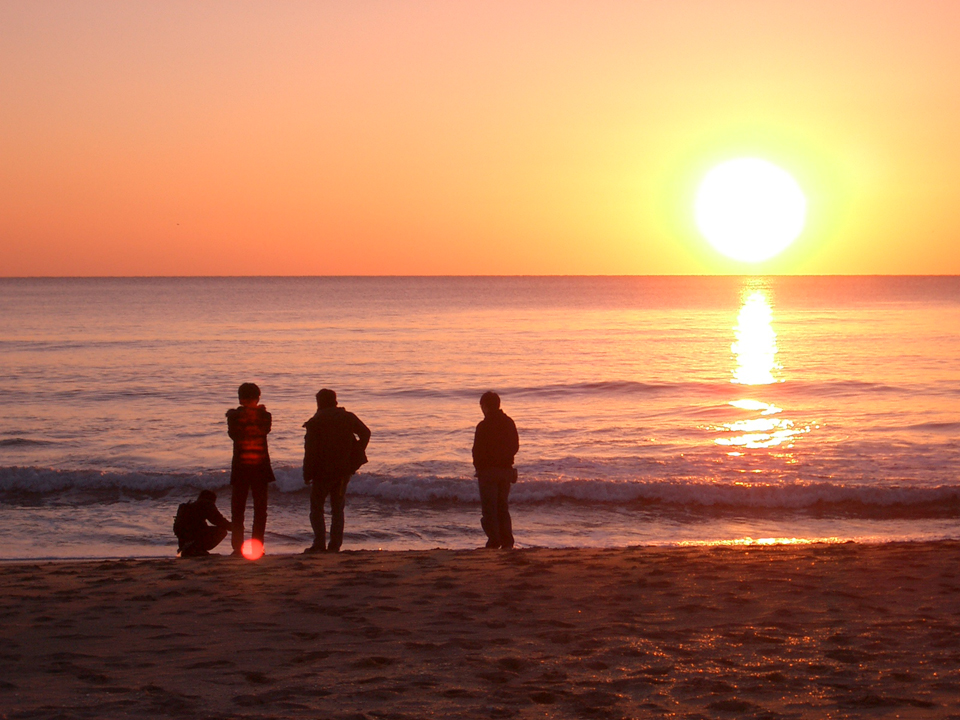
x,y
334,448
495,444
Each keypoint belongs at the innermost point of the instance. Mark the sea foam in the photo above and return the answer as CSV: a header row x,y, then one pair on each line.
x,y
856,499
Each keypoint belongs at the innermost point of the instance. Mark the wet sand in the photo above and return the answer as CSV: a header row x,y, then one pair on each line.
x,y
767,632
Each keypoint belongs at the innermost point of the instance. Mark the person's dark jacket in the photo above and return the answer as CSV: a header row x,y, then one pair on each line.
x,y
248,427
334,446
495,442
192,519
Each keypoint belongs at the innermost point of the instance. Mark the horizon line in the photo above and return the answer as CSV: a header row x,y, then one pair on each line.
x,y
465,276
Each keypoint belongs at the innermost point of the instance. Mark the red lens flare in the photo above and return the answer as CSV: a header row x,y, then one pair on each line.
x,y
252,549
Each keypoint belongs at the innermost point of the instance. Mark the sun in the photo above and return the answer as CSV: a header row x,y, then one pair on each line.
x,y
750,209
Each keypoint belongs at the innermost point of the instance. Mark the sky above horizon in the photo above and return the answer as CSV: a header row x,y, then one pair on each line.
x,y
469,138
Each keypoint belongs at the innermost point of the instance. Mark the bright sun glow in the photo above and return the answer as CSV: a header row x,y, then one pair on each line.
x,y
749,209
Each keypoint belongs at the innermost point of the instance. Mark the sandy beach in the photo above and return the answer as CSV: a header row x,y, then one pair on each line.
x,y
812,631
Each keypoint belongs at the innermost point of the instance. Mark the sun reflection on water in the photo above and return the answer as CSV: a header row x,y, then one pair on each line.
x,y
750,542
755,350
756,344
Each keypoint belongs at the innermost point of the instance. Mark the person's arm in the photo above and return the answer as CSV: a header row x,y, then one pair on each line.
x,y
233,424
514,439
310,456
478,446
213,516
362,432
266,420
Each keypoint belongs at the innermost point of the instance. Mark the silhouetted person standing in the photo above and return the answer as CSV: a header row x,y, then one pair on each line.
x,y
195,537
334,449
248,427
495,444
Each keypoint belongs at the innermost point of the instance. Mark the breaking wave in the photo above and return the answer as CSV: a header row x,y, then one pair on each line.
x,y
890,500
22,442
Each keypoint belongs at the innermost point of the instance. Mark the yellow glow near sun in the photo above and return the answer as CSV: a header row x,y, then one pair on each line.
x,y
750,209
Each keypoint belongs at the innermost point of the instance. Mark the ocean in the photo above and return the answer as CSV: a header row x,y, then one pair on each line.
x,y
651,410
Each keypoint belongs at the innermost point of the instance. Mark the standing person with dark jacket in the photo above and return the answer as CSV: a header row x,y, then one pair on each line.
x,y
250,472
195,536
333,450
495,444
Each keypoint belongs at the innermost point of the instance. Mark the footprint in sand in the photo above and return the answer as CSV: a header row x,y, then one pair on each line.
x,y
257,678
209,664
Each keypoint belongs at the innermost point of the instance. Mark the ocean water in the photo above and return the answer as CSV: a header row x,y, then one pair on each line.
x,y
651,410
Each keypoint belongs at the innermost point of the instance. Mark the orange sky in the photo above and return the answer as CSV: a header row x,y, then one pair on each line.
x,y
306,138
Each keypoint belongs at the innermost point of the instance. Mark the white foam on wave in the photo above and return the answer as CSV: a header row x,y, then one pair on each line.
x,y
463,489
680,493
50,480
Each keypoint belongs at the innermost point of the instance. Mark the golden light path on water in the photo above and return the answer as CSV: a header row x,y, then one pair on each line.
x,y
749,541
756,367
755,350
756,344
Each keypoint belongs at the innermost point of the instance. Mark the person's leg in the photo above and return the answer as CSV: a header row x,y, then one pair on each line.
x,y
238,506
504,522
189,547
260,491
338,498
488,511
212,536
317,497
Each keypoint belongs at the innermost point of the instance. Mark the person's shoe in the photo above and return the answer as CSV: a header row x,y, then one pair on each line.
x,y
314,549
333,549
491,545
191,550
236,553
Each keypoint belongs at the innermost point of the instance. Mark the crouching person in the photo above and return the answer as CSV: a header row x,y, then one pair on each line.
x,y
195,536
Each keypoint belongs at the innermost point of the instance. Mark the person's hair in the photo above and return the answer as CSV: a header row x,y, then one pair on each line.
x,y
326,398
249,391
207,495
490,400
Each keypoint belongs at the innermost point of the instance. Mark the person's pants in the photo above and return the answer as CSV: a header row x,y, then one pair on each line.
x,y
337,490
238,506
495,511
206,541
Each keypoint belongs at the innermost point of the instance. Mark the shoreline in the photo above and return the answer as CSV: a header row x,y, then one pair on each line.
x,y
143,530
791,631
222,550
